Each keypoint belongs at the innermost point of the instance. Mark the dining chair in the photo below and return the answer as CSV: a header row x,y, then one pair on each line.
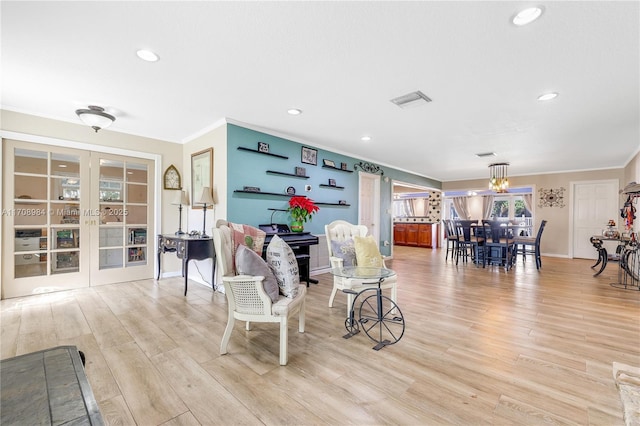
x,y
247,299
468,244
499,246
340,241
451,237
530,245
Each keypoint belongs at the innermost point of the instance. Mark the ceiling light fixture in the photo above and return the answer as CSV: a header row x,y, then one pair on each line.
x,y
527,16
547,96
294,111
411,99
498,181
147,55
95,117
365,138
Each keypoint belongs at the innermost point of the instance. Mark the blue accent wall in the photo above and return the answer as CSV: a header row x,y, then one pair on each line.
x,y
246,168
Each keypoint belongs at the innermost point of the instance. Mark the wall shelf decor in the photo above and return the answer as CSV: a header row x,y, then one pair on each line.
x,y
324,185
337,168
278,194
333,204
242,148
275,172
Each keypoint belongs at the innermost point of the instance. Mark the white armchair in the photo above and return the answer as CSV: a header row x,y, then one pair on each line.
x,y
248,300
340,231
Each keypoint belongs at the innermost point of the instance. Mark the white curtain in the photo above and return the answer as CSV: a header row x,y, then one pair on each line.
x,y
461,206
528,201
487,206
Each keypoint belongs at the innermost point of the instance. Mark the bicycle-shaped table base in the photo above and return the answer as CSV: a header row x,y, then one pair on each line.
x,y
379,316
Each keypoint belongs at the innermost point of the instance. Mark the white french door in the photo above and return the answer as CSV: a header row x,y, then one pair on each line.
x,y
73,218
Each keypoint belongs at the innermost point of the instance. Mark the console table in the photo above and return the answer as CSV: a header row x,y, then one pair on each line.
x,y
603,256
47,387
187,248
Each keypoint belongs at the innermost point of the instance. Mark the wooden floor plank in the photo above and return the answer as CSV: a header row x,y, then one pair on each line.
x,y
481,346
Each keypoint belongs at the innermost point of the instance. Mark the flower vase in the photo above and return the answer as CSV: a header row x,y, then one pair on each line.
x,y
297,226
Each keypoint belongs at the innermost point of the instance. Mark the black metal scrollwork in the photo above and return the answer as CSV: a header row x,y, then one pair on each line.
x,y
369,168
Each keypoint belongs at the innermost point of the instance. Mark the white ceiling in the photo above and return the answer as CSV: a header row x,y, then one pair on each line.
x,y
341,63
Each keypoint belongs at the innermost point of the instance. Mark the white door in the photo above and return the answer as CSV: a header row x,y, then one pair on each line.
x,y
594,203
369,203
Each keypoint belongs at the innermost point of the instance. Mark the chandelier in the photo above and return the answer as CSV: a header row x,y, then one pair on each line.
x,y
498,181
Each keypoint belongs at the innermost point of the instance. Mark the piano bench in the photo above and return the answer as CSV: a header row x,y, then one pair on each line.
x,y
303,266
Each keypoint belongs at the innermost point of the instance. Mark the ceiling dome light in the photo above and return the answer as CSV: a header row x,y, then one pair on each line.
x,y
147,55
547,96
294,111
365,138
527,16
95,117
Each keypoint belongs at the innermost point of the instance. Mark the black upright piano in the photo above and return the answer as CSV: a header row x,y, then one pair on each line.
x,y
300,243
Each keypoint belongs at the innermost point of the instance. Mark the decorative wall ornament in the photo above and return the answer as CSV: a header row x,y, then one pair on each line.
x,y
369,168
551,197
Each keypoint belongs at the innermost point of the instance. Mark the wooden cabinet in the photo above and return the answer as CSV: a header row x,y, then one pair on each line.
x,y
400,233
424,236
412,234
415,234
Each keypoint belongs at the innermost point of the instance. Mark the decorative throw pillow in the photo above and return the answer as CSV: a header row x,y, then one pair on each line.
x,y
284,265
344,250
249,263
367,253
246,235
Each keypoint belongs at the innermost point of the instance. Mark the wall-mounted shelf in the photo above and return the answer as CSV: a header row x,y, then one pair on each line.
x,y
337,168
324,185
274,172
266,193
333,204
242,148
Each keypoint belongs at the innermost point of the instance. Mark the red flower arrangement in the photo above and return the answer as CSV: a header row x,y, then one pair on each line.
x,y
302,208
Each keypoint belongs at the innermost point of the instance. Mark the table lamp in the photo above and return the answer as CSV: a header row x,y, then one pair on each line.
x,y
182,199
207,199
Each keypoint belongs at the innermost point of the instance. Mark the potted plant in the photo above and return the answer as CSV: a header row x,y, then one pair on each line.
x,y
301,209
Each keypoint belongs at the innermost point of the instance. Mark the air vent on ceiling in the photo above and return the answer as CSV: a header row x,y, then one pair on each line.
x,y
411,99
486,154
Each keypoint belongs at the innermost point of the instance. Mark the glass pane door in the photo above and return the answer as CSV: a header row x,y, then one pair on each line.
x,y
43,209
123,199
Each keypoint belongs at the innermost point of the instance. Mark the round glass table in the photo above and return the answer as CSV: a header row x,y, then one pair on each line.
x,y
378,316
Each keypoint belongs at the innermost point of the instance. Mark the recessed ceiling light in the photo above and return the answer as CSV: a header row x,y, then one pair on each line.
x,y
547,96
365,138
62,165
294,111
527,16
147,55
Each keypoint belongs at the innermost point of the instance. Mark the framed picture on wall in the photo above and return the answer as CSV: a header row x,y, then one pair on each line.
x,y
201,175
329,163
301,171
309,156
263,147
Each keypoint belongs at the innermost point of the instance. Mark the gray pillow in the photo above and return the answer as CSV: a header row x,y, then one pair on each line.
x,y
345,250
249,263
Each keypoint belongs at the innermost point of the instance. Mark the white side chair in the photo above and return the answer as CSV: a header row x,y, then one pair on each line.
x,y
247,299
340,231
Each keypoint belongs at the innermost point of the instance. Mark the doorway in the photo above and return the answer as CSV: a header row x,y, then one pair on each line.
x,y
77,218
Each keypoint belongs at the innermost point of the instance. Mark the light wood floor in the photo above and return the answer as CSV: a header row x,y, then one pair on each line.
x,y
480,347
